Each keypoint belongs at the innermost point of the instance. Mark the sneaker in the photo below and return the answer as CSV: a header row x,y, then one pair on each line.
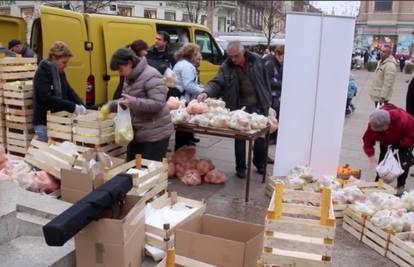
x,y
400,191
412,175
241,174
352,107
195,140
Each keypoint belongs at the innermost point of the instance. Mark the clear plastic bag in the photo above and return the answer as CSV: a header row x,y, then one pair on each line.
x,y
169,78
390,167
179,116
124,132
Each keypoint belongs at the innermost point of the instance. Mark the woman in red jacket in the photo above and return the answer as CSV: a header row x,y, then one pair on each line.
x,y
391,125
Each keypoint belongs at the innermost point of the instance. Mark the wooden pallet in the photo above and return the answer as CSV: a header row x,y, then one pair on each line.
x,y
47,158
17,68
59,125
400,251
380,186
299,229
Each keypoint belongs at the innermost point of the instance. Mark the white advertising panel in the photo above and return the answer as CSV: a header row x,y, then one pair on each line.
x,y
315,83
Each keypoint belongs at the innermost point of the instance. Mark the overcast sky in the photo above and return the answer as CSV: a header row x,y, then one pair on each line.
x,y
346,8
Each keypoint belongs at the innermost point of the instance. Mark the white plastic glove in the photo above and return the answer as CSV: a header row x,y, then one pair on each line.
x,y
80,110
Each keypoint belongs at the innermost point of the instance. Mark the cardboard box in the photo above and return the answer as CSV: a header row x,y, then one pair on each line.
x,y
74,184
114,242
220,241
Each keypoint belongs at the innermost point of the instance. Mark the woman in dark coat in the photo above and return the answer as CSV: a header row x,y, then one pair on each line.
x,y
51,89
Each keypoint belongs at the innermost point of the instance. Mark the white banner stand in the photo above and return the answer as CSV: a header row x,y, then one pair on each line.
x,y
316,72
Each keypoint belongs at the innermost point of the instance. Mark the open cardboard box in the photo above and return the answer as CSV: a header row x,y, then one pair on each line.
x,y
220,241
112,242
76,184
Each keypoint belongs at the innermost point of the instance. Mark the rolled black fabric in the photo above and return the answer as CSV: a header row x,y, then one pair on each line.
x,y
62,228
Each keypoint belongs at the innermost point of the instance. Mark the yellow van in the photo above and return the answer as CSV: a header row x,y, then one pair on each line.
x,y
94,37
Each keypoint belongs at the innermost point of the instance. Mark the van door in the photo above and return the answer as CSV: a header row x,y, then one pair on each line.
x,y
12,28
212,55
69,27
118,33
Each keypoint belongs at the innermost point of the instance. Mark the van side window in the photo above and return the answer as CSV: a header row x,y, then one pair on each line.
x,y
208,47
178,36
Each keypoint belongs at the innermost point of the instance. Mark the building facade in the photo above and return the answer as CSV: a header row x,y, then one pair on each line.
x,y
228,16
169,10
386,22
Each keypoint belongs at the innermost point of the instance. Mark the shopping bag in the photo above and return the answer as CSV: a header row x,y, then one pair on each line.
x,y
123,126
390,167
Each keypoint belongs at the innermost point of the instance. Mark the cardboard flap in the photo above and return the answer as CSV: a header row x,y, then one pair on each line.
x,y
229,229
74,179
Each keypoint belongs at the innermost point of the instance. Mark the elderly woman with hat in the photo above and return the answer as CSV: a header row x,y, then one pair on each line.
x,y
393,126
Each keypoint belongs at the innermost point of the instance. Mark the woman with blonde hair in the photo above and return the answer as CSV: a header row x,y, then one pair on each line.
x,y
187,84
51,90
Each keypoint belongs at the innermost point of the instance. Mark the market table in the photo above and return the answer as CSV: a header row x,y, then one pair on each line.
x,y
249,136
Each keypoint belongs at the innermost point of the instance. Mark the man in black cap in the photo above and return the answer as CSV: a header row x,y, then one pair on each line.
x,y
17,47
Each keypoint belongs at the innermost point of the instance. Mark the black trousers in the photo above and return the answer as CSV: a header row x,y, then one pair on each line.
x,y
403,177
258,153
409,106
259,148
148,150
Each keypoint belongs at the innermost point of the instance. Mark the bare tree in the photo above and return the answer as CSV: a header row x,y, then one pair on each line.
x,y
85,6
193,8
271,14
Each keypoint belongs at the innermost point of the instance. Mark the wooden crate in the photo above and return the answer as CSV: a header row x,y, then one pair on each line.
x,y
380,186
112,149
360,227
17,68
299,229
88,129
176,260
163,238
154,183
47,158
271,183
400,251
59,125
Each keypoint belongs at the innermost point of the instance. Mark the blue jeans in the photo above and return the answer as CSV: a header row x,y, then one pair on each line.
x,y
41,132
259,148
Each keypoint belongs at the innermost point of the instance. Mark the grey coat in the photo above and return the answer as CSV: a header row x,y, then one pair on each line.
x,y
226,83
151,118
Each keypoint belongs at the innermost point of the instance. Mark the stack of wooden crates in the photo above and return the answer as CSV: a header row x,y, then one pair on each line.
x,y
86,131
16,112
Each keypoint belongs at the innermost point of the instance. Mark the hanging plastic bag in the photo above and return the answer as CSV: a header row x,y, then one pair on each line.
x,y
169,78
123,126
390,167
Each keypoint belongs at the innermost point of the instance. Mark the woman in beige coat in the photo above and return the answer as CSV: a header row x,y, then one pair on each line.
x,y
145,94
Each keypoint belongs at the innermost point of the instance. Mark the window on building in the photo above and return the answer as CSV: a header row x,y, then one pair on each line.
x,y
383,6
221,24
5,11
27,13
208,47
169,15
186,18
150,13
125,11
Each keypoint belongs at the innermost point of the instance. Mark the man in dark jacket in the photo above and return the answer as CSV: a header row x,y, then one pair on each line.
x,y
17,47
243,82
274,68
159,55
